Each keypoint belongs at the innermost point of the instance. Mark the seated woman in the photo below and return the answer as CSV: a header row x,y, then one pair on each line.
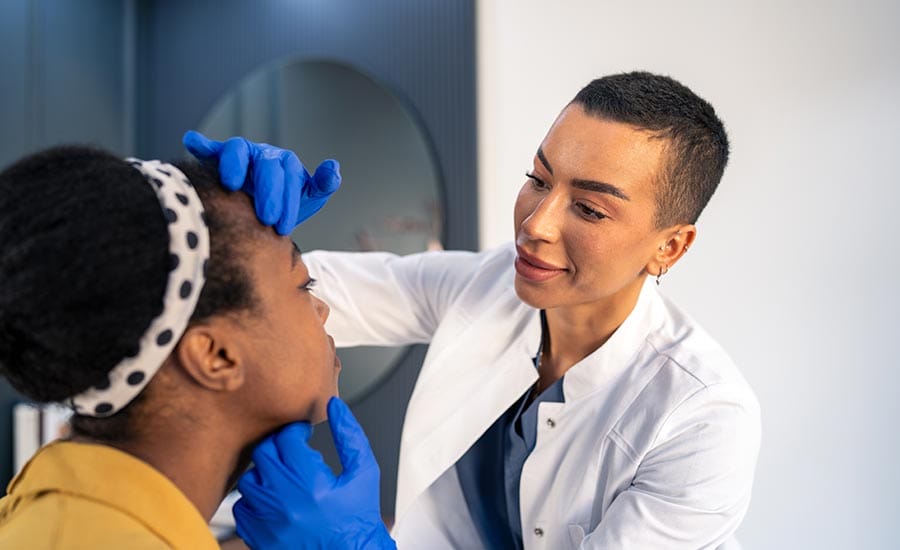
x,y
179,329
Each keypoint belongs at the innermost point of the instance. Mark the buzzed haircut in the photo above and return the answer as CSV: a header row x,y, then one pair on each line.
x,y
697,148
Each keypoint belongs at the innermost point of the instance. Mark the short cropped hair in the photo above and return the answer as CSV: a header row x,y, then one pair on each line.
x,y
697,149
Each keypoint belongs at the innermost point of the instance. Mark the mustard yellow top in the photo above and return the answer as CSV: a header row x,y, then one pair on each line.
x,y
80,495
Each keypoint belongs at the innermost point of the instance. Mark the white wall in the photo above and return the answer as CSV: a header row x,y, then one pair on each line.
x,y
796,266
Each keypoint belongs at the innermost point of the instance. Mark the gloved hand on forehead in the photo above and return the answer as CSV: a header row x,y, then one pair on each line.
x,y
290,499
283,192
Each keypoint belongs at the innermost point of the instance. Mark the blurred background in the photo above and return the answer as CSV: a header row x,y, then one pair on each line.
x,y
435,109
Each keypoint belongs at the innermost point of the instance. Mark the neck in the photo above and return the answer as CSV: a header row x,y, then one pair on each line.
x,y
203,463
574,332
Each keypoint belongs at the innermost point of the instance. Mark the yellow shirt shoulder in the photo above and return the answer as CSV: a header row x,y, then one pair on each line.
x,y
57,520
78,495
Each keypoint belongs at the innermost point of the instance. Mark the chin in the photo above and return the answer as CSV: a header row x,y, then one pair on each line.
x,y
532,296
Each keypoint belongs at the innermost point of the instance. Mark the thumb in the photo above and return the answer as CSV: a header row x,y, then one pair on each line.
x,y
234,161
200,146
349,439
326,180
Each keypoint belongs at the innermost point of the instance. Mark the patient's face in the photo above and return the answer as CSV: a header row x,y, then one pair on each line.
x,y
293,345
292,368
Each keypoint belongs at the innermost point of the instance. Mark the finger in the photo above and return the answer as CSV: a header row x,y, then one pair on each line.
x,y
246,530
200,146
304,462
243,511
309,207
267,461
233,162
293,436
253,476
256,488
291,161
251,485
302,468
293,186
250,512
286,454
327,179
268,179
244,517
349,439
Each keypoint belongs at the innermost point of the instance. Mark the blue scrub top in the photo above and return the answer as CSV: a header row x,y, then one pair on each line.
x,y
491,469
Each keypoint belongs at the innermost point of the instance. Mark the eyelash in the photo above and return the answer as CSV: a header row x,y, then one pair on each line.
x,y
590,212
308,285
535,181
586,211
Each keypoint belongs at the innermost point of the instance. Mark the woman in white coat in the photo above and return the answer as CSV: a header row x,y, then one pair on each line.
x,y
564,403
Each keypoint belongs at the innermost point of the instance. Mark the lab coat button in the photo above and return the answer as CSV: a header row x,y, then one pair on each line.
x,y
551,423
538,532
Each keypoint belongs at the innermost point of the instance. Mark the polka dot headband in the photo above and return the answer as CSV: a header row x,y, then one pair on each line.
x,y
188,254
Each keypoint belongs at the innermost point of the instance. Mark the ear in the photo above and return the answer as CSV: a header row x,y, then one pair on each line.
x,y
673,244
209,353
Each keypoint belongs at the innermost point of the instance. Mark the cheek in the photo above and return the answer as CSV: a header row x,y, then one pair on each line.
x,y
589,252
315,347
602,254
297,342
607,261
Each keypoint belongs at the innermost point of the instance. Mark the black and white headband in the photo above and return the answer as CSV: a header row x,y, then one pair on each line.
x,y
189,252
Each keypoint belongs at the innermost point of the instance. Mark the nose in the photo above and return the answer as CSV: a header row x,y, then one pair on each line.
x,y
321,308
543,223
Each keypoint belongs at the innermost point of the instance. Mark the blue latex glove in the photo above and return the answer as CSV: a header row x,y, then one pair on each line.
x,y
283,192
291,499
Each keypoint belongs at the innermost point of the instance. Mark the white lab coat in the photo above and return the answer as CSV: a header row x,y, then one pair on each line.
x,y
653,448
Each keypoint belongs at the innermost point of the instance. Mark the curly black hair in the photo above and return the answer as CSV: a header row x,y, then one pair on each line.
x,y
83,268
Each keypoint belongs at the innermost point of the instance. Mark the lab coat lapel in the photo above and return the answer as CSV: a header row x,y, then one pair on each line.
x,y
451,407
605,366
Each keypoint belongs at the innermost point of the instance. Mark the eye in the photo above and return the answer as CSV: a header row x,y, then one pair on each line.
x,y
589,212
536,182
308,285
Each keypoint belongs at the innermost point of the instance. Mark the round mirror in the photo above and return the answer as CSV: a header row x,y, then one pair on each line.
x,y
390,196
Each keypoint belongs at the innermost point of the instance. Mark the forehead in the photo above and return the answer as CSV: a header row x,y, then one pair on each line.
x,y
274,266
259,247
584,146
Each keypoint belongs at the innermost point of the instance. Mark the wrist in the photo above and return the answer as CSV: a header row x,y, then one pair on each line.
x,y
377,538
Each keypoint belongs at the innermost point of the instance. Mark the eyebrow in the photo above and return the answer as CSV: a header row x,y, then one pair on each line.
x,y
600,187
295,254
540,155
587,185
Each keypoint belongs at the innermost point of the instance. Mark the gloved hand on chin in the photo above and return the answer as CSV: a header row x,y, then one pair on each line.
x,y
291,499
283,192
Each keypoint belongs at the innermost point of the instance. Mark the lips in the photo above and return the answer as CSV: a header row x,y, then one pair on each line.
x,y
534,269
337,360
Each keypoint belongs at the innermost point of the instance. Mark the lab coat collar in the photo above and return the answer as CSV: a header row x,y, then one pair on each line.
x,y
495,369
612,359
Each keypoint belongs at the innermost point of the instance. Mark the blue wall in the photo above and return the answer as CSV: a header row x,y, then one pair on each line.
x,y
423,51
64,67
63,71
13,84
